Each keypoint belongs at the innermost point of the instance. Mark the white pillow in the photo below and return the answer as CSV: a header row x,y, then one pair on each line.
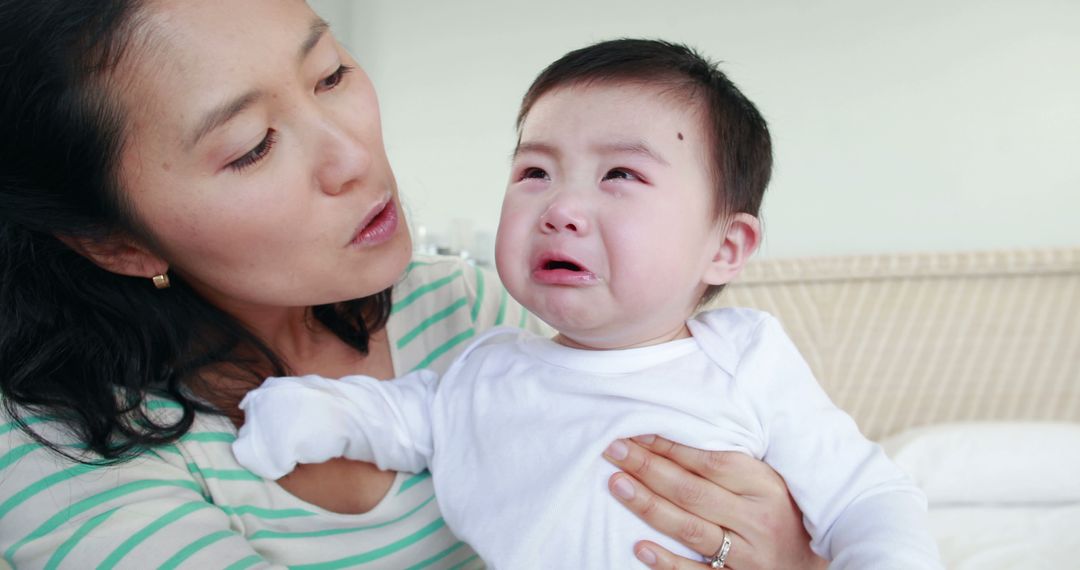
x,y
992,462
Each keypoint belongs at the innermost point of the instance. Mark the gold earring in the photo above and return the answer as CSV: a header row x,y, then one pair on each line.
x,y
161,281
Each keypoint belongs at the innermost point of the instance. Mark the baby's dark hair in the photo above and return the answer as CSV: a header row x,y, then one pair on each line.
x,y
740,146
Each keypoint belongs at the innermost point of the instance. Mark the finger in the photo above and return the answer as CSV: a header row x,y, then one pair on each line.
x,y
664,477
655,556
691,530
732,470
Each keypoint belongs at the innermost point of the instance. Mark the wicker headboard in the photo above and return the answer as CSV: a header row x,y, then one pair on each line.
x,y
906,340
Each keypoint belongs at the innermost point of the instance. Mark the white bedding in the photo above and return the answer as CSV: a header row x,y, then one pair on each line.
x,y
1013,537
1002,495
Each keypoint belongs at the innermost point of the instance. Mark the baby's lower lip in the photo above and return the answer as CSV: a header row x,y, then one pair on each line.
x,y
380,229
560,276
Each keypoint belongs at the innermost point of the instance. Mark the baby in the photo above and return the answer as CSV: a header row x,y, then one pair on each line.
x,y
633,197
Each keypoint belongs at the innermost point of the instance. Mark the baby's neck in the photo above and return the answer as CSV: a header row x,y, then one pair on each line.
x,y
678,333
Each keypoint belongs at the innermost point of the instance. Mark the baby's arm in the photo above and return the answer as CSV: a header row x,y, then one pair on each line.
x,y
311,419
861,510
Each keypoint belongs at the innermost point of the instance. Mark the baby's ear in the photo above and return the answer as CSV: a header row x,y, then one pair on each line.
x,y
118,253
742,234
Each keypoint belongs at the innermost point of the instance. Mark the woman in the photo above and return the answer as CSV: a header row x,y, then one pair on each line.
x,y
194,194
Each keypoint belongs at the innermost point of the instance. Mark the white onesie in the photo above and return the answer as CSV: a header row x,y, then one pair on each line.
x,y
514,432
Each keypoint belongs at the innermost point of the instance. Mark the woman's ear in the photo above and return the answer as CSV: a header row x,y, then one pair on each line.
x,y
740,239
118,253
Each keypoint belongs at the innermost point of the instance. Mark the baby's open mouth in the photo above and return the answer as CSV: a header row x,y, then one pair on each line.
x,y
557,264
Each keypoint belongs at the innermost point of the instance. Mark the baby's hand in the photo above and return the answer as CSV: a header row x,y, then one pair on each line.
x,y
288,421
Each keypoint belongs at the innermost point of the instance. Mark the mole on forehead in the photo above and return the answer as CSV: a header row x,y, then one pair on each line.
x,y
680,136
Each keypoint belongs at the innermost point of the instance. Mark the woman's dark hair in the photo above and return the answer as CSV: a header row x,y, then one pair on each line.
x,y
79,344
740,145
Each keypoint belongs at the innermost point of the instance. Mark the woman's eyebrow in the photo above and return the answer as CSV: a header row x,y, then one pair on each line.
x,y
316,31
225,112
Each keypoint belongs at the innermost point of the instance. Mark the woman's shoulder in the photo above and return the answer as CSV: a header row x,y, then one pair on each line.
x,y
43,493
440,304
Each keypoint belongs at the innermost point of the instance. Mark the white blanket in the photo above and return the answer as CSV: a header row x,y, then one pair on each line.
x,y
1003,495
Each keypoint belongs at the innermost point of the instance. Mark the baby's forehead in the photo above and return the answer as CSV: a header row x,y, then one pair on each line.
x,y
645,102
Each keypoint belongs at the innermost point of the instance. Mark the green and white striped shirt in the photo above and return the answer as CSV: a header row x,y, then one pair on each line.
x,y
190,505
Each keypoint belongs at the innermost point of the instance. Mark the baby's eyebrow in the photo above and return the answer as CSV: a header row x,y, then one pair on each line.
x,y
536,147
631,147
619,147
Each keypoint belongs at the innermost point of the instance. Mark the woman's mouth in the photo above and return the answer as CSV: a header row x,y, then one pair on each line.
x,y
378,226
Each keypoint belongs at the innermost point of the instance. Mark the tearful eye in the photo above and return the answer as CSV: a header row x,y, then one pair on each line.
x,y
533,172
620,174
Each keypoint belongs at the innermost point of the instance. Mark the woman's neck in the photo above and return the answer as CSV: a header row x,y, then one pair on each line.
x,y
305,346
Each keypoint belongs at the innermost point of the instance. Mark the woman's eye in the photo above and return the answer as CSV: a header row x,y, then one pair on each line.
x,y
533,172
620,174
256,154
334,79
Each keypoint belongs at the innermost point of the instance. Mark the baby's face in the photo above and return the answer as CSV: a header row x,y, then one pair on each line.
x,y
607,225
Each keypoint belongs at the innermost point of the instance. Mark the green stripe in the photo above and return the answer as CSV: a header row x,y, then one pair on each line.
x,y
408,484
411,335
502,308
43,484
437,557
415,264
210,436
424,290
267,534
472,558
163,405
146,532
524,317
16,454
91,502
190,550
28,421
479,294
378,552
225,474
445,347
245,563
69,544
262,513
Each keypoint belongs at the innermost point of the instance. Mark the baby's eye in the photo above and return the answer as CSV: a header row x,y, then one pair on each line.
x,y
620,174
533,172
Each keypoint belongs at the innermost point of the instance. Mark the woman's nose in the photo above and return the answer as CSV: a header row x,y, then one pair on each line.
x,y
564,216
342,160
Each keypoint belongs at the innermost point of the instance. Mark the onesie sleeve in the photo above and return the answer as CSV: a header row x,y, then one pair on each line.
x,y
311,419
860,509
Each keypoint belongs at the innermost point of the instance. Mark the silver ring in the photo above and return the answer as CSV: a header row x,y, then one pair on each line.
x,y
717,560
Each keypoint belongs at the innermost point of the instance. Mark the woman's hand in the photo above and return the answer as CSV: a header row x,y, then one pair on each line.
x,y
693,496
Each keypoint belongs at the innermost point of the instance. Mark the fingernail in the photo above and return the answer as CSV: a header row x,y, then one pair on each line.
x,y
623,489
647,556
646,439
618,450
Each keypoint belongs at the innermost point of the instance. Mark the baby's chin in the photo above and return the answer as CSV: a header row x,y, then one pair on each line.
x,y
585,342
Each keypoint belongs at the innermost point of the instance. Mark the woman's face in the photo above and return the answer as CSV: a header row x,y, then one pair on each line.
x,y
254,155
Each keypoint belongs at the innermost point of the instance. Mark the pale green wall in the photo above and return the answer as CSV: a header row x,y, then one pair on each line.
x,y
898,126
